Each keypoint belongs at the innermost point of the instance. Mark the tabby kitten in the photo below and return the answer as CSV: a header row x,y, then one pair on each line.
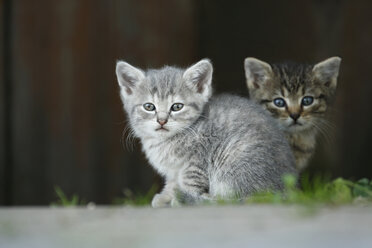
x,y
205,148
297,95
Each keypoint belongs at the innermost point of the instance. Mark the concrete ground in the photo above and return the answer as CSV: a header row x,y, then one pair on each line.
x,y
207,226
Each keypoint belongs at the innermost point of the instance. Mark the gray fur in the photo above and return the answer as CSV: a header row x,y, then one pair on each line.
x,y
222,146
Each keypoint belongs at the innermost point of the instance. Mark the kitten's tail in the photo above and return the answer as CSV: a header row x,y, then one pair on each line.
x,y
186,198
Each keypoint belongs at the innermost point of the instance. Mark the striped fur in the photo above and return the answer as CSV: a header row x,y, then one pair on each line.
x,y
292,82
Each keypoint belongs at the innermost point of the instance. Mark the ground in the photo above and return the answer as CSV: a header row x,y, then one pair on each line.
x,y
205,226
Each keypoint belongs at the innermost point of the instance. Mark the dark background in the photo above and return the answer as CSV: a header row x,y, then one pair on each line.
x,y
61,119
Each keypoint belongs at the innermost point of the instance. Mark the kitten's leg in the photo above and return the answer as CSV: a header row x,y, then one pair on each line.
x,y
165,198
193,185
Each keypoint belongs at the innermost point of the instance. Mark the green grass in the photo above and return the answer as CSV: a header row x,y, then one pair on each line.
x,y
137,199
65,201
317,191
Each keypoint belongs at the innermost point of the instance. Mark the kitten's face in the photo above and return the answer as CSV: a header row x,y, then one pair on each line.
x,y
297,95
161,103
163,109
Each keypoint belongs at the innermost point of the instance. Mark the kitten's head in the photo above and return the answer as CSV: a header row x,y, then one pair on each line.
x,y
296,94
161,103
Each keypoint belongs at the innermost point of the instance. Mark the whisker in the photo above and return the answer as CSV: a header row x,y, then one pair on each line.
x,y
127,138
324,131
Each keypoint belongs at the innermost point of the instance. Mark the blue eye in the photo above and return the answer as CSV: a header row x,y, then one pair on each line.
x,y
177,107
307,100
149,106
279,102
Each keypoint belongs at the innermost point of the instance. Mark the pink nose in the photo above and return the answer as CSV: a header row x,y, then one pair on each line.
x,y
162,122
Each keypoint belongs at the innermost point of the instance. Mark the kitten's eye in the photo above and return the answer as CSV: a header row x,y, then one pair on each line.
x,y
307,100
149,106
177,107
279,102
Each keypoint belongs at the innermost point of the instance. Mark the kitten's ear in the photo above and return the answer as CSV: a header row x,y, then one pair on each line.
x,y
199,77
327,71
257,72
128,76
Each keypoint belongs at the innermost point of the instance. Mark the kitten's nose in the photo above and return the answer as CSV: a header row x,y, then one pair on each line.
x,y
162,121
294,116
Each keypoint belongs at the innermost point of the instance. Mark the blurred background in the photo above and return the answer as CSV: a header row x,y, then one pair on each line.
x,y
61,118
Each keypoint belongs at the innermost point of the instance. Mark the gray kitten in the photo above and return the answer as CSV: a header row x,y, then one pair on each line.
x,y
298,96
205,148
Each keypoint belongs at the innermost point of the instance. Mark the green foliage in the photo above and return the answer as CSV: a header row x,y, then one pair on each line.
x,y
137,199
64,201
363,188
318,191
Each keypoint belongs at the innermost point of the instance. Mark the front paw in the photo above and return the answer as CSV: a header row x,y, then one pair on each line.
x,y
161,200
175,203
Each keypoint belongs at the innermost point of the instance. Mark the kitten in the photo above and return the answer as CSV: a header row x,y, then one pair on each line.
x,y
297,95
205,148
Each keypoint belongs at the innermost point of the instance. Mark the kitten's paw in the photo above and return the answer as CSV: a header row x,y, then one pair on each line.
x,y
206,197
175,203
161,200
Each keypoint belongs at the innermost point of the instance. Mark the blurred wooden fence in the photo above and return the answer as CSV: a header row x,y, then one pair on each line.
x,y
66,118
61,117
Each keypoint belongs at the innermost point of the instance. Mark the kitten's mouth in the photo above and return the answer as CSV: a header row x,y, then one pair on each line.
x,y
161,129
295,124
